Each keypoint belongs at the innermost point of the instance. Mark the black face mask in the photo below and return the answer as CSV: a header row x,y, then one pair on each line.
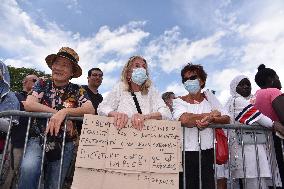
x,y
244,87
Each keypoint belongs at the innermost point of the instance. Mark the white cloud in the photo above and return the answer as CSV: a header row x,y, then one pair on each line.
x,y
250,40
265,43
237,44
30,43
171,52
177,88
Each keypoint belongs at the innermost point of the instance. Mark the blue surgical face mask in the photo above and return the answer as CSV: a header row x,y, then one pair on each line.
x,y
192,86
139,76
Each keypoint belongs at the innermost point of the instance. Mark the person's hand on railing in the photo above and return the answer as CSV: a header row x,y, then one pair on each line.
x,y
204,122
55,122
120,119
215,113
137,121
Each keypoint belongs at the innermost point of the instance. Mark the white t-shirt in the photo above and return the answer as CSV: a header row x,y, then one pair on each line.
x,y
191,134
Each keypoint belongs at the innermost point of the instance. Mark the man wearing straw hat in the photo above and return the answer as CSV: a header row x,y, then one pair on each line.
x,y
60,97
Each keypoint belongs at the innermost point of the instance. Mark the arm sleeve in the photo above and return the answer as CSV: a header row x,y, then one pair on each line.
x,y
248,114
38,89
110,102
178,108
265,121
83,96
274,93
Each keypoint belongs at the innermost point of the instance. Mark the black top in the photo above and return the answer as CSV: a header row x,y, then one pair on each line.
x,y
96,99
18,132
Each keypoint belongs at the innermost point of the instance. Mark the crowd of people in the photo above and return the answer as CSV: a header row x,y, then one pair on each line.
x,y
136,98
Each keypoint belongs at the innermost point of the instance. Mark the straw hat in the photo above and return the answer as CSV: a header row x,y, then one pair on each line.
x,y
70,54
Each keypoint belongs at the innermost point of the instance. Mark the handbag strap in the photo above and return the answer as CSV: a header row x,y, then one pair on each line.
x,y
136,102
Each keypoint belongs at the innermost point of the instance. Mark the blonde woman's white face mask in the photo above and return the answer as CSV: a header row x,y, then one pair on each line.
x,y
139,76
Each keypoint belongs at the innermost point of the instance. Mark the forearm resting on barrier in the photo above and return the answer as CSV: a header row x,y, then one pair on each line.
x,y
56,120
221,119
32,105
189,119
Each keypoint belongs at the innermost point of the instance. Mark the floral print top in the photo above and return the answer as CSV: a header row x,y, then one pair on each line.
x,y
69,96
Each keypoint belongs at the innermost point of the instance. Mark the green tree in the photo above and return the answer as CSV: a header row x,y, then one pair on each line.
x,y
18,74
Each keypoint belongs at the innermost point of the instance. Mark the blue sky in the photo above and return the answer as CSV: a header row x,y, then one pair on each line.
x,y
227,37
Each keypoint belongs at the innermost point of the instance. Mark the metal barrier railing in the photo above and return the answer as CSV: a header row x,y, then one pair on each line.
x,y
34,115
227,127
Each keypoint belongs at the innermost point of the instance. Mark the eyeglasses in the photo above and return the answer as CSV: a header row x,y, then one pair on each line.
x,y
97,75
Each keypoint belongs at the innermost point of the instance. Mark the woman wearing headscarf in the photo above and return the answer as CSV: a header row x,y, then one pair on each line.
x,y
8,100
135,83
270,101
196,111
242,111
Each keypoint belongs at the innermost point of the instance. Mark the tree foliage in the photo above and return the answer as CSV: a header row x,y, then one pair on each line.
x,y
18,74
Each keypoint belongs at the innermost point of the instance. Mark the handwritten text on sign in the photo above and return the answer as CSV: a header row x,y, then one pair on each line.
x,y
128,158
154,149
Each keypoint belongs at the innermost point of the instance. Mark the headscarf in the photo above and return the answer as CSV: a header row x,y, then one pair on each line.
x,y
5,82
8,100
233,91
239,107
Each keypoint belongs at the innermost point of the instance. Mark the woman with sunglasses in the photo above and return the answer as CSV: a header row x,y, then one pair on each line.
x,y
196,111
134,97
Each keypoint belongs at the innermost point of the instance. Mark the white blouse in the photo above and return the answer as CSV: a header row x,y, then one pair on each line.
x,y
191,134
120,100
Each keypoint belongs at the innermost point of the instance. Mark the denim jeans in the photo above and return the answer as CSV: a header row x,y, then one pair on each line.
x,y
31,164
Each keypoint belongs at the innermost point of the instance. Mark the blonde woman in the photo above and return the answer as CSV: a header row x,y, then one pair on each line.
x,y
134,84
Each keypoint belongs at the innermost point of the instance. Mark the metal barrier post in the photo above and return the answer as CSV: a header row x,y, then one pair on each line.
x,y
27,137
62,154
214,149
183,158
229,160
272,162
244,159
257,159
6,145
199,159
42,158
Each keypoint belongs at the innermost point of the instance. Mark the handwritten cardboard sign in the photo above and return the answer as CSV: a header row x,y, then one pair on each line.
x,y
148,159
